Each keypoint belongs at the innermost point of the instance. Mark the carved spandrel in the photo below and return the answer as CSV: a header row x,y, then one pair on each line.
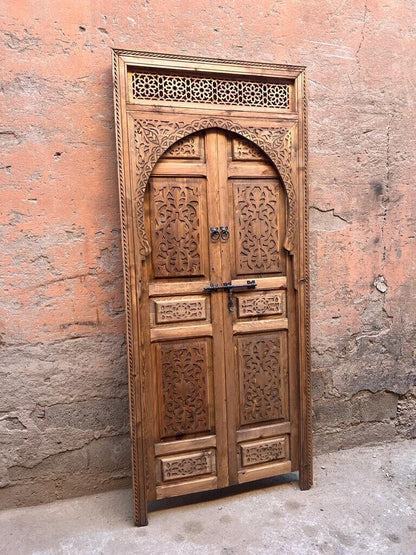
x,y
180,310
261,304
262,374
176,227
257,232
261,452
187,466
184,368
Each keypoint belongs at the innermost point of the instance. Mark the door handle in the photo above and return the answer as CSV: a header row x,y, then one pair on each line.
x,y
228,286
224,233
214,233
217,233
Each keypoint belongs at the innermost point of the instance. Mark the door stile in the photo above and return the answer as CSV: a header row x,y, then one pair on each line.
x,y
293,365
145,378
226,218
216,273
133,265
303,305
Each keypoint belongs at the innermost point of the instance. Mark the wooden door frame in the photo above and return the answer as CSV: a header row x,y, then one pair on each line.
x,y
159,124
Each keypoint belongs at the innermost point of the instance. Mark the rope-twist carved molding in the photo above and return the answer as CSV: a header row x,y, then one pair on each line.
x,y
153,137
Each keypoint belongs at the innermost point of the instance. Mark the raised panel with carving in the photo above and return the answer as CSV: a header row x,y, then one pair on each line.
x,y
261,360
178,227
184,368
265,451
256,209
190,148
245,150
261,304
189,309
188,465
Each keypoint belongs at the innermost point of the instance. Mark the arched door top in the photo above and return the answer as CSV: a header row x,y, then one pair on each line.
x,y
153,137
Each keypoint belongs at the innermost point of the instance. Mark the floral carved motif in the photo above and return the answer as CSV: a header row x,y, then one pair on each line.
x,y
244,150
186,466
180,311
260,304
189,147
261,378
176,228
256,209
263,452
153,137
184,369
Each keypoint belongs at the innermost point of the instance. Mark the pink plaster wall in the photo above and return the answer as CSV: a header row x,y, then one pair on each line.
x,y
63,400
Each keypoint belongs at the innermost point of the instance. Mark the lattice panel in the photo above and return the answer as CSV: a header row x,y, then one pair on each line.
x,y
173,88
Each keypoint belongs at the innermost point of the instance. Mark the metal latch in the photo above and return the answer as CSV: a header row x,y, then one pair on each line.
x,y
228,286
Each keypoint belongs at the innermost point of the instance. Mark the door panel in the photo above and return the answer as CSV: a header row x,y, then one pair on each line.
x,y
190,444
178,227
185,374
262,368
260,429
256,227
221,378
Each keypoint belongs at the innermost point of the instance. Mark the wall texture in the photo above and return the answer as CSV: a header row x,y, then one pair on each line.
x,y
63,396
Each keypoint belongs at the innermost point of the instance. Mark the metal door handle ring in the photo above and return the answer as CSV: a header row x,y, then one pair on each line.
x,y
214,233
225,234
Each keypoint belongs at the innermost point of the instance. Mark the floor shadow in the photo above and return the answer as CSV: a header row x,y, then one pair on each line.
x,y
192,498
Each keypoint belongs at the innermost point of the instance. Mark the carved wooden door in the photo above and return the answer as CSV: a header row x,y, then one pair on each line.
x,y
213,201
219,354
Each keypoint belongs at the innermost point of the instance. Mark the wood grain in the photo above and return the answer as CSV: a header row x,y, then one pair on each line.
x,y
205,381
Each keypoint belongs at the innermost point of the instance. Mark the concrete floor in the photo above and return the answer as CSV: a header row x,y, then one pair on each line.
x,y
363,501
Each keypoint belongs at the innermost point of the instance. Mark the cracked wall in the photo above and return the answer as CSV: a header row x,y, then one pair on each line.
x,y
63,403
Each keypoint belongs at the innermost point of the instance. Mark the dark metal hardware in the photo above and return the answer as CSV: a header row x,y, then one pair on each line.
x,y
214,233
225,234
228,286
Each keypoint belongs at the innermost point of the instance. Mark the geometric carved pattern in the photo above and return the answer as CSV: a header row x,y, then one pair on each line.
x,y
263,304
175,88
186,466
176,223
263,451
262,380
184,371
244,150
189,147
154,136
256,221
180,310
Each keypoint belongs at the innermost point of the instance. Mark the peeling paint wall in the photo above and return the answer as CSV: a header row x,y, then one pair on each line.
x,y
63,400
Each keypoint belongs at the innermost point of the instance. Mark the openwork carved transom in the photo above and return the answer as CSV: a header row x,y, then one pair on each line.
x,y
177,88
153,137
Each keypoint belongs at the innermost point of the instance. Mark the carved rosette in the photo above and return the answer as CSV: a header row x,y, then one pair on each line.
x,y
153,137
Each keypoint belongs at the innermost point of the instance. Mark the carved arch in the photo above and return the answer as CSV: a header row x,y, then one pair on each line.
x,y
153,137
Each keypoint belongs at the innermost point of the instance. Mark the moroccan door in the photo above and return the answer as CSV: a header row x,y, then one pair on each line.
x,y
213,205
220,356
